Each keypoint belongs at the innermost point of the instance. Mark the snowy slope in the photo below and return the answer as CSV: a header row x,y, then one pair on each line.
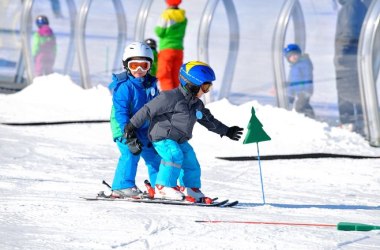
x,y
44,170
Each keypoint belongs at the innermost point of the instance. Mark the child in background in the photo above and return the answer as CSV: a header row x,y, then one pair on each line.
x,y
172,117
171,31
153,45
131,90
44,47
300,80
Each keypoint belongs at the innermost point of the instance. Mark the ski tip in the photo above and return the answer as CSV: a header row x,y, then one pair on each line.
x,y
231,204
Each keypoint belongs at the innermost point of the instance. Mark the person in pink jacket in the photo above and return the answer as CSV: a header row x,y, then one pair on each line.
x,y
44,47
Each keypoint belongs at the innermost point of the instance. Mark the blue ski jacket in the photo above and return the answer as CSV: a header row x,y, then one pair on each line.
x,y
129,95
300,77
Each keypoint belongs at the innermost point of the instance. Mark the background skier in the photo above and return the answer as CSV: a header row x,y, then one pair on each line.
x,y
153,45
171,31
300,80
44,47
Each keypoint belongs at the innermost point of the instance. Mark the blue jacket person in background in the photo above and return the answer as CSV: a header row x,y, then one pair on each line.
x,y
300,80
132,89
172,117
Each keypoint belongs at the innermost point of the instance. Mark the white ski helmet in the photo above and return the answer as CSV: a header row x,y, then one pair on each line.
x,y
138,49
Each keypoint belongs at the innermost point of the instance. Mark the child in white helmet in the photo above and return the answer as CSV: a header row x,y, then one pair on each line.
x,y
132,89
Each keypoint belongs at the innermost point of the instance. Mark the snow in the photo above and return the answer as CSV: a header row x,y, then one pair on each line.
x,y
45,169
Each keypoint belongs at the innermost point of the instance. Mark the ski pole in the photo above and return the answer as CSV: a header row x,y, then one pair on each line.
x,y
108,185
261,175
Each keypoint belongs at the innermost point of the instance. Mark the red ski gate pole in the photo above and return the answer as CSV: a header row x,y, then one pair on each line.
x,y
267,223
341,226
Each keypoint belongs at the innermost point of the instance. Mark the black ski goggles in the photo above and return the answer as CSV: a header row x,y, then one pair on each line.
x,y
206,86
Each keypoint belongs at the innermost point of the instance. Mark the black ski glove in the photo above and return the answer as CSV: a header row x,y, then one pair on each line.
x,y
234,133
134,145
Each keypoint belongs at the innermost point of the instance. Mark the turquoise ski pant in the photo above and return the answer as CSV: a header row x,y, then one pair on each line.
x,y
126,169
174,158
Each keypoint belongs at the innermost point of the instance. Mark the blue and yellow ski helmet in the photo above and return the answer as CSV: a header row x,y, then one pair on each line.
x,y
194,73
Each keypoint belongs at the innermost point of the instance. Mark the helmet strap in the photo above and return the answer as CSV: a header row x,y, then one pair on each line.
x,y
189,86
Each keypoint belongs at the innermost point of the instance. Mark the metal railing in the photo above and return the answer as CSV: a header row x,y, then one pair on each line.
x,y
368,53
71,48
80,39
141,20
368,68
26,60
203,42
26,29
290,9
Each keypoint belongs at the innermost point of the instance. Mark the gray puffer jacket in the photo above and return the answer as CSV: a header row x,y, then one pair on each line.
x,y
173,114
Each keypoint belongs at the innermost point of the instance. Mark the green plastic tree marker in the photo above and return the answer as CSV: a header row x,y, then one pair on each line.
x,y
256,134
255,130
349,226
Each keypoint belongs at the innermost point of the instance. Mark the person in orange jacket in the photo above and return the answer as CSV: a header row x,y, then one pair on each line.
x,y
171,32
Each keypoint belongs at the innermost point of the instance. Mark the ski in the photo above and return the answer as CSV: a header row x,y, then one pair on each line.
x,y
148,197
231,204
102,197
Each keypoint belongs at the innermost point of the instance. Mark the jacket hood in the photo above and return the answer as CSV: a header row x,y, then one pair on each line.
x,y
178,15
45,30
142,82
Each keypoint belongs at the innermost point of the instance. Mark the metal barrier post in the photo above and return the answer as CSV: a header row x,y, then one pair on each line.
x,y
291,8
203,40
71,48
26,28
368,68
80,39
141,20
122,33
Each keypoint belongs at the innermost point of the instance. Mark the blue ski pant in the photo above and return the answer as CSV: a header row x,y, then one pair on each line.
x,y
178,161
126,169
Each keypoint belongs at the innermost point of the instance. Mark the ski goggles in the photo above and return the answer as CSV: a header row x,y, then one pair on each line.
x,y
134,65
206,86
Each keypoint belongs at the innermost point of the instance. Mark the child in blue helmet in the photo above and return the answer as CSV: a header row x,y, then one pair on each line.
x,y
300,80
132,89
172,117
